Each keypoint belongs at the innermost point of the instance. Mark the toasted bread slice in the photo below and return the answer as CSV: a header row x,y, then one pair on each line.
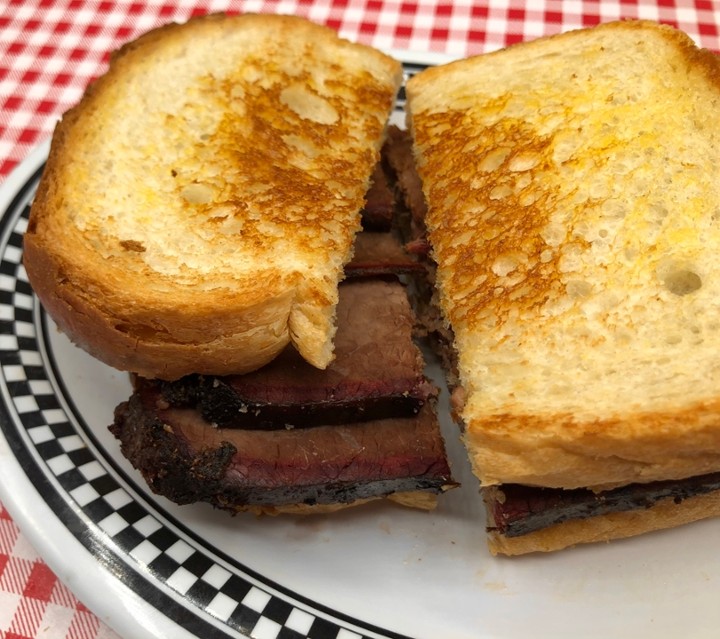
x,y
200,202
573,212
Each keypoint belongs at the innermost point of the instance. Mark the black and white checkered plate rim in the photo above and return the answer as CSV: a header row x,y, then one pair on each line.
x,y
161,561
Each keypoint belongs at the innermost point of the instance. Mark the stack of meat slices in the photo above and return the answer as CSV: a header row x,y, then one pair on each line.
x,y
292,438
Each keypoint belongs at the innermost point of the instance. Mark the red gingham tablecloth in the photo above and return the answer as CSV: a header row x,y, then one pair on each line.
x,y
49,51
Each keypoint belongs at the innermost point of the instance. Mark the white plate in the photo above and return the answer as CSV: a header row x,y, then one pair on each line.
x,y
150,568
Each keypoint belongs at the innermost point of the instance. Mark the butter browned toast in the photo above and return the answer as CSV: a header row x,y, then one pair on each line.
x,y
200,202
574,208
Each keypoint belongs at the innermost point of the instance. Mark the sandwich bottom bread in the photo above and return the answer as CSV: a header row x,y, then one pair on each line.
x,y
572,217
530,519
291,438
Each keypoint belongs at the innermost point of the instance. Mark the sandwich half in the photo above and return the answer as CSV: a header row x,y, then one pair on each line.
x,y
200,202
197,214
573,214
291,438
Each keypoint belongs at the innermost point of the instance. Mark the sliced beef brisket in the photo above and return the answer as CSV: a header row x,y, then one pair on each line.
x,y
400,164
378,371
377,215
515,510
381,254
185,459
365,428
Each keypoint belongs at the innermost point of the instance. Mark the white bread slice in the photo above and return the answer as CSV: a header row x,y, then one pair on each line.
x,y
200,202
574,212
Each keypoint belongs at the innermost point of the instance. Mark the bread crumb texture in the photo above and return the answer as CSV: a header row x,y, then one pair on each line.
x,y
243,145
226,157
574,208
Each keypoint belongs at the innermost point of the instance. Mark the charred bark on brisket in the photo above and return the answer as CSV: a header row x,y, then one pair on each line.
x,y
185,459
230,403
378,371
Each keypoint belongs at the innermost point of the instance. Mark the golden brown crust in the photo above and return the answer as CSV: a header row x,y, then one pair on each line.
x,y
432,74
665,514
145,343
501,262
192,216
570,213
560,451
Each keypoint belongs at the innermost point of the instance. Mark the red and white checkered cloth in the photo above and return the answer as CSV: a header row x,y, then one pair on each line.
x,y
33,602
50,50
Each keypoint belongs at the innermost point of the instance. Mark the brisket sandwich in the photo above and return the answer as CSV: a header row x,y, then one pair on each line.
x,y
572,194
192,226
